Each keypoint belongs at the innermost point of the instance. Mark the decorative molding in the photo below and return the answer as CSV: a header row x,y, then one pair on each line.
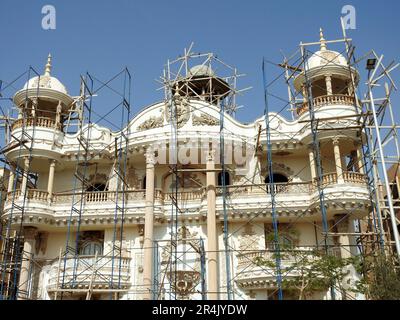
x,y
182,112
152,123
205,120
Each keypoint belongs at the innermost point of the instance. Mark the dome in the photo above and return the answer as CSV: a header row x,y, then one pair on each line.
x,y
201,70
44,87
46,81
324,58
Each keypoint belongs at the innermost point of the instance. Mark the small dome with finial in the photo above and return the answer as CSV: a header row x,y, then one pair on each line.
x,y
46,81
45,87
325,57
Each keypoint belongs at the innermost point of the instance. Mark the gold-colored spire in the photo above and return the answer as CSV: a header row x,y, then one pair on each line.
x,y
322,39
47,69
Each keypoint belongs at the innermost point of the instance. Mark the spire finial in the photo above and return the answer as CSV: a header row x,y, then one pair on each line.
x,y
322,39
48,66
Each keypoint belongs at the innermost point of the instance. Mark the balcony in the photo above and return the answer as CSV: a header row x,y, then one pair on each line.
x,y
351,178
84,272
39,122
291,198
251,276
334,99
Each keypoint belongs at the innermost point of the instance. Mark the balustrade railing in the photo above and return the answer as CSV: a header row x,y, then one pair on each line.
x,y
39,121
354,177
89,269
259,189
196,194
249,258
291,188
321,101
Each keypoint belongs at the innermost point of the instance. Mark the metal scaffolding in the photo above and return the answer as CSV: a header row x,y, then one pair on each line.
x,y
182,264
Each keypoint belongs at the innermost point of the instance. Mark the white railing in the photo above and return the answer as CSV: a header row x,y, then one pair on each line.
x,y
131,196
262,189
84,270
249,258
191,195
333,99
39,121
354,177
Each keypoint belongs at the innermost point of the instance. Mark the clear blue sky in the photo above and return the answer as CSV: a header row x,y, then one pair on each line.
x,y
104,36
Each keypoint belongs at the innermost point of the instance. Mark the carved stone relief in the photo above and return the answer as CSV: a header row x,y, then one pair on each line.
x,y
205,120
181,112
152,123
182,281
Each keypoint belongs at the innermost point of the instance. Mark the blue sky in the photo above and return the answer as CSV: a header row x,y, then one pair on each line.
x,y
104,36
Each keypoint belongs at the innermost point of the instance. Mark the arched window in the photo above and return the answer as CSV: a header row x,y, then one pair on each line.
x,y
227,179
97,187
90,248
277,178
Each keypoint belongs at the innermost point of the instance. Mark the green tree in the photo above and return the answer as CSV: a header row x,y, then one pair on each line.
x,y
308,271
382,277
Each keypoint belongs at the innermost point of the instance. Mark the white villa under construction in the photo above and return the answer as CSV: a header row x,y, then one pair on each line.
x,y
184,201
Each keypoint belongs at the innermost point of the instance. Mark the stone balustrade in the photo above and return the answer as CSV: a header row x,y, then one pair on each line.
x,y
348,178
129,196
334,99
354,177
249,258
89,270
253,275
262,189
39,122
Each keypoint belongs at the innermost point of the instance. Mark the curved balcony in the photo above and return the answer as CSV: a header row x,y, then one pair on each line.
x,y
348,178
252,276
39,122
32,194
334,99
83,272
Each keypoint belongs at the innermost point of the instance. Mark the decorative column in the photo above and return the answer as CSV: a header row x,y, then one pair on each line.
x,y
58,116
360,162
312,163
29,243
342,226
50,182
11,179
24,182
148,227
305,95
212,243
34,106
350,90
328,82
338,160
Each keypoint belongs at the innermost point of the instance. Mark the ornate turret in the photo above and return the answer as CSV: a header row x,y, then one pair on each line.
x,y
330,78
44,97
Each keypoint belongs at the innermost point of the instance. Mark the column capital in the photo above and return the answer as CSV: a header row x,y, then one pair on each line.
x,y
52,162
210,155
150,157
335,141
30,233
